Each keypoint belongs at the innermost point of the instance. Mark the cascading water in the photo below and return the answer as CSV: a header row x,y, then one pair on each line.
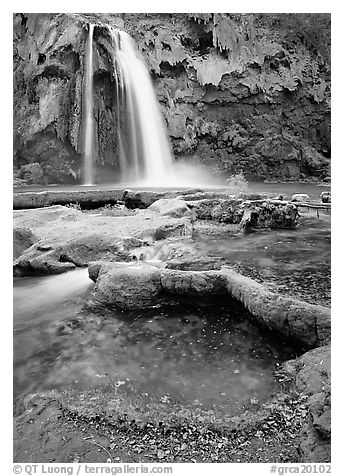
x,y
88,126
144,149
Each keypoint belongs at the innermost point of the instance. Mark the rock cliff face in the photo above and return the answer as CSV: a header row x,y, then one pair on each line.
x,y
243,92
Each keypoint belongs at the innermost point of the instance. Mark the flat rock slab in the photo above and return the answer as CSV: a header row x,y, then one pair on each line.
x,y
92,198
67,237
96,198
47,198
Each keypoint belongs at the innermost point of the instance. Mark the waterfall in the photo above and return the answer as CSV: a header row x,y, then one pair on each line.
x,y
144,149
145,157
88,117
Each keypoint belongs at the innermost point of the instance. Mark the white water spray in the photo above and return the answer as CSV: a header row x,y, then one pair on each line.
x,y
144,148
88,126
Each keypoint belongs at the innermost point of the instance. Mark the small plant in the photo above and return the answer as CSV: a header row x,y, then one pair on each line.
x,y
236,184
75,206
116,211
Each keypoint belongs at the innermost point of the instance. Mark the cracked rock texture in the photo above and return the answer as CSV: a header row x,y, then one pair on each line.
x,y
246,92
311,374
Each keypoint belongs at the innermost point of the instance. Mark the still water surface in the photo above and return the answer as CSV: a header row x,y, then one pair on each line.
x,y
204,356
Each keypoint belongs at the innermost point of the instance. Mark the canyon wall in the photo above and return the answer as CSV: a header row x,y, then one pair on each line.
x,y
239,92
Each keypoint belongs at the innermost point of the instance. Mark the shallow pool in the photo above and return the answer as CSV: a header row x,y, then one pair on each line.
x,y
204,355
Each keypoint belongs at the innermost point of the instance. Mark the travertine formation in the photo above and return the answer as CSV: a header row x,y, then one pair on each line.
x,y
243,92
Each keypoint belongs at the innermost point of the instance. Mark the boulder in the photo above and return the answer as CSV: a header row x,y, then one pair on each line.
x,y
249,213
32,174
23,238
311,372
311,375
132,286
325,197
312,447
222,210
40,260
247,220
178,227
94,268
320,410
172,207
141,199
268,214
46,257
300,197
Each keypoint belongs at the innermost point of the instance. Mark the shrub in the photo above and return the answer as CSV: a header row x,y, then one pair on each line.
x,y
236,184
